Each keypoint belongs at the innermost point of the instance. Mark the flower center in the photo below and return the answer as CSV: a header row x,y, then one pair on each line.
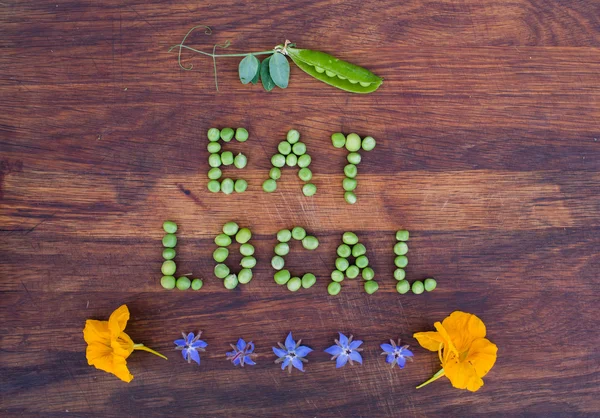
x,y
347,351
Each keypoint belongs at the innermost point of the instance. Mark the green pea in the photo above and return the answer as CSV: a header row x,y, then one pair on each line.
x,y
278,160
350,170
214,173
275,173
213,134
169,241
227,158
341,263
401,261
230,228
284,148
213,147
214,160
277,262
353,142
349,238
371,287
337,276
183,283
246,249
362,261
298,233
352,272
338,140
354,158
168,282
240,161
299,148
243,236
168,253
291,160
214,186
248,262
170,227
282,277
334,288
284,235
282,249
402,235
399,274
241,134
294,284
430,284
168,268
344,251
310,243
308,280
230,282
240,186
197,284
293,136
223,240
309,189
350,197
368,273
220,254
400,248
269,186
305,174
227,134
402,287
417,287
221,271
368,143
227,186
244,276
304,160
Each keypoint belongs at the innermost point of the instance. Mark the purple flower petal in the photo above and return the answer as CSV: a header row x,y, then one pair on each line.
x,y
241,345
190,338
199,344
390,358
236,361
279,352
303,350
387,348
355,344
341,361
355,356
297,364
180,342
285,363
406,352
334,350
249,361
343,340
250,347
195,356
401,362
290,344
184,353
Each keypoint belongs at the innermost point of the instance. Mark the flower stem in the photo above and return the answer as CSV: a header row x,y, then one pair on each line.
x,y
269,52
433,379
142,347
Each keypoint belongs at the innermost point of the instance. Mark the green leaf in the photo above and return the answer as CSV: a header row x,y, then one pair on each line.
x,y
256,76
265,77
248,68
279,69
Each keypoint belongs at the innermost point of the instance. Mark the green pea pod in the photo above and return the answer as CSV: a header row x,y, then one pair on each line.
x,y
335,72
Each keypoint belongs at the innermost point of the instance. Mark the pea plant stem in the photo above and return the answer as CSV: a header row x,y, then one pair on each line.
x,y
269,52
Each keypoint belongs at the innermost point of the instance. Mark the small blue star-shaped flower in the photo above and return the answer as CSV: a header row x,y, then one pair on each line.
x,y
345,350
291,354
396,354
190,346
242,353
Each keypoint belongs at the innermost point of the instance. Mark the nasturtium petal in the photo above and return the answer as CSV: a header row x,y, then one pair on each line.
x,y
96,331
279,69
429,340
482,355
462,375
265,77
118,321
248,68
122,346
463,328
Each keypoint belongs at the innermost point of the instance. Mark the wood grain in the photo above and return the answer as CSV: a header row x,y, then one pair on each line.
x,y
488,152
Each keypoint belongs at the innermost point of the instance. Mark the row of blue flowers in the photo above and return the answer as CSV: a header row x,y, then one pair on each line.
x,y
292,353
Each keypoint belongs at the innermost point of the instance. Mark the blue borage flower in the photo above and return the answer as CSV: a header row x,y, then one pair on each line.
x,y
396,354
191,346
242,353
345,350
291,354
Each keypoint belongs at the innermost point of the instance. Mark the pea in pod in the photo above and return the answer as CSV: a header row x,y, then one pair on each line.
x,y
333,71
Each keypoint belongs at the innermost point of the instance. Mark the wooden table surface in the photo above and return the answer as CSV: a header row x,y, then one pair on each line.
x,y
488,130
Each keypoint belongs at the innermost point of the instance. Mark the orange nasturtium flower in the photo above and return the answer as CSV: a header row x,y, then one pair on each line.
x,y
465,354
108,346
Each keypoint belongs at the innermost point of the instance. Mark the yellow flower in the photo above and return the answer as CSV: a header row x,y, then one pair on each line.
x,y
109,346
466,356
